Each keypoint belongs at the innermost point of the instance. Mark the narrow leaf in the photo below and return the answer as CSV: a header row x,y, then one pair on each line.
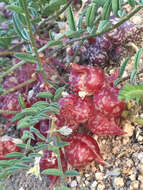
x,y
25,57
14,154
137,57
70,19
15,8
21,101
133,75
58,93
103,26
123,66
55,172
37,133
45,95
19,165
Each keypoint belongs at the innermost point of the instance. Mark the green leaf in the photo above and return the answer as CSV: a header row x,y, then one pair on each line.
x,y
54,43
62,188
24,123
103,26
133,75
72,173
45,95
21,101
41,104
83,189
137,58
123,66
70,19
37,133
15,8
33,155
129,92
19,165
117,81
58,93
14,154
22,32
26,57
73,34
4,163
55,172
27,159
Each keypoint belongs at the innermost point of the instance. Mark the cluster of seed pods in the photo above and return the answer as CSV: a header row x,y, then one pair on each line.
x,y
94,103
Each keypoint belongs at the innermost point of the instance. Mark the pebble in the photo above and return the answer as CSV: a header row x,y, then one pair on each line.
x,y
101,187
99,176
94,184
73,183
140,167
134,185
78,178
136,19
132,177
140,157
119,182
86,183
129,129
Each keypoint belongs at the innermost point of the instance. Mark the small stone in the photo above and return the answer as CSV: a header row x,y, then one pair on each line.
x,y
134,185
126,140
140,157
119,182
87,175
136,19
129,129
86,183
73,183
99,176
94,184
140,167
101,187
78,178
132,177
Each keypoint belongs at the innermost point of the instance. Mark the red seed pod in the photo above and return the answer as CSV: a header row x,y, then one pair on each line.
x,y
49,160
8,145
107,102
103,126
82,150
87,79
74,110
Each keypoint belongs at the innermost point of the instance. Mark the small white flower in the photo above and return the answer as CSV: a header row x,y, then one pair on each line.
x,y
65,94
82,94
65,130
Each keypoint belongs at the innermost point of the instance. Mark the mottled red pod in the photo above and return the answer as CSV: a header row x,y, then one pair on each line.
x,y
102,125
7,145
107,102
49,160
82,150
86,79
74,110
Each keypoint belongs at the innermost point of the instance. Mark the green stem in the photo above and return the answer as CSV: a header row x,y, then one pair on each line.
x,y
17,87
8,112
33,42
59,159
